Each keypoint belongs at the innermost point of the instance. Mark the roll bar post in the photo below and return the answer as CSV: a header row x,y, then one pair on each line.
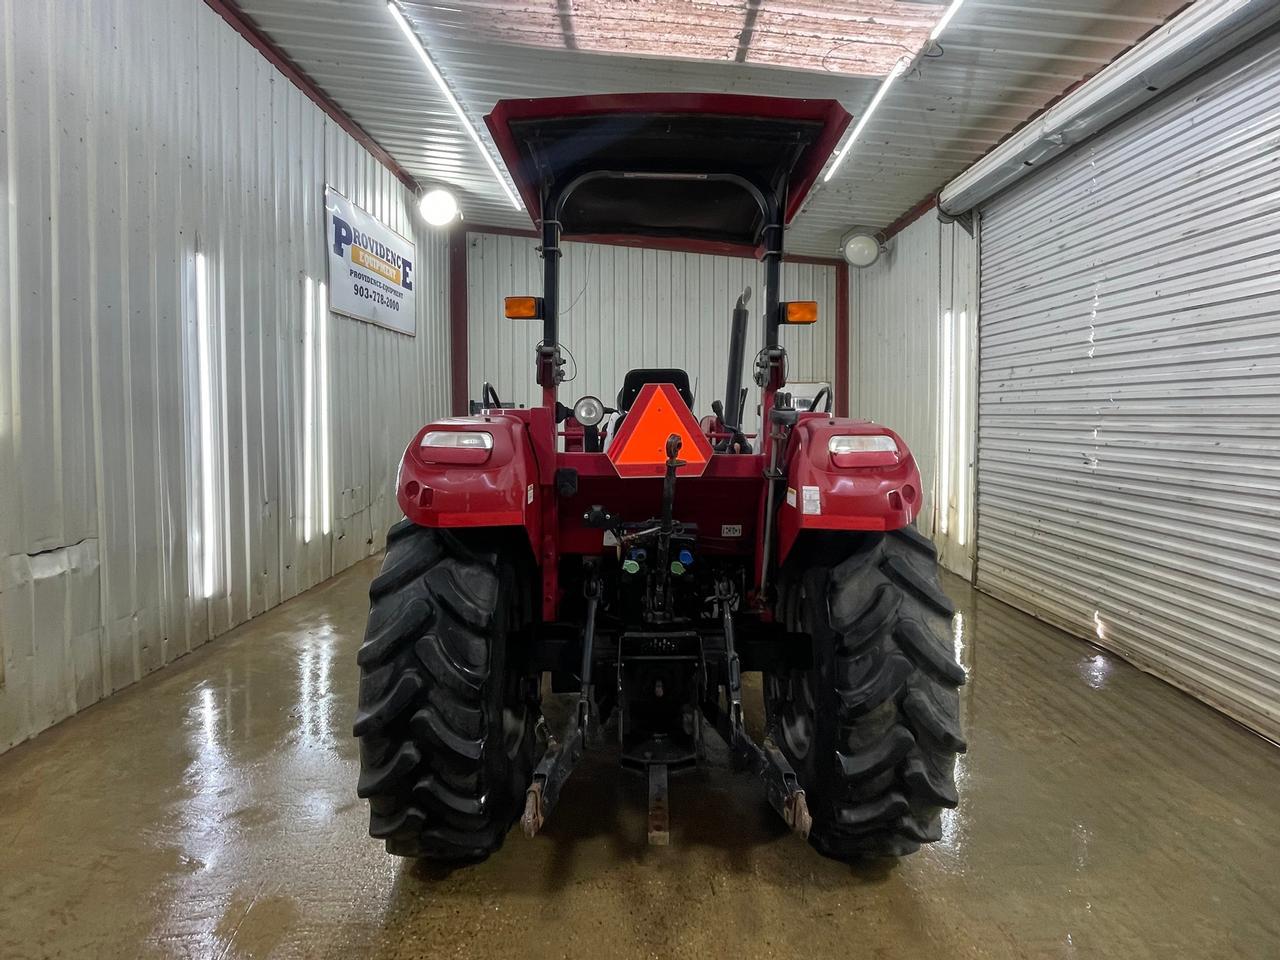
x,y
549,362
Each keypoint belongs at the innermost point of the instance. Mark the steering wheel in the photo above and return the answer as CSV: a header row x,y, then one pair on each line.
x,y
824,393
489,397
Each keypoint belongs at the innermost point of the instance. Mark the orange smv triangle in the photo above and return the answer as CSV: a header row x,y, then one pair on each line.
x,y
640,448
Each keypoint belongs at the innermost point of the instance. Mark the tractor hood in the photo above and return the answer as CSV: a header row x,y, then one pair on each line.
x,y
778,145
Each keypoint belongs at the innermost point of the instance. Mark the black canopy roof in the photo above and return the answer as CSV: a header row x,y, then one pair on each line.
x,y
683,165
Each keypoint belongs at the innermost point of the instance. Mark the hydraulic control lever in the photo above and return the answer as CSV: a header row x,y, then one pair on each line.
x,y
668,524
592,592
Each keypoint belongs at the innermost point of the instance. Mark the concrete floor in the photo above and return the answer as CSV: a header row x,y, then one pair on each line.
x,y
210,811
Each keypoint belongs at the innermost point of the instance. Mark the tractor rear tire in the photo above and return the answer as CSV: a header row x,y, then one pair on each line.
x,y
872,728
446,714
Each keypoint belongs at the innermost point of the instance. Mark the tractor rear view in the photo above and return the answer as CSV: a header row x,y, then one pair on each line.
x,y
641,558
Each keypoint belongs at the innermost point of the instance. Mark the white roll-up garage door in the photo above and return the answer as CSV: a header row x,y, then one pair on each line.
x,y
1129,407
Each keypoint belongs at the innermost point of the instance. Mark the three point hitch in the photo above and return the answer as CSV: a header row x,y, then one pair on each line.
x,y
655,756
563,753
782,787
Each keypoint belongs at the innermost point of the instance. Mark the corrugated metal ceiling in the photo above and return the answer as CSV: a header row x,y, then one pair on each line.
x,y
998,64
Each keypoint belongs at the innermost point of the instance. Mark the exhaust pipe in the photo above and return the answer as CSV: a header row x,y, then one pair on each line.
x,y
733,393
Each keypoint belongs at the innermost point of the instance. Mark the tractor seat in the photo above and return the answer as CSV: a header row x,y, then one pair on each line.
x,y
635,379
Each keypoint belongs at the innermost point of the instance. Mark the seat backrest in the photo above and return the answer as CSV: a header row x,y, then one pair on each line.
x,y
635,379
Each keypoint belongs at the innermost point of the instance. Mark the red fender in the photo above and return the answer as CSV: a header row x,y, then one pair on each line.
x,y
878,491
443,487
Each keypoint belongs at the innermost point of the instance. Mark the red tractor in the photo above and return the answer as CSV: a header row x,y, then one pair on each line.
x,y
642,559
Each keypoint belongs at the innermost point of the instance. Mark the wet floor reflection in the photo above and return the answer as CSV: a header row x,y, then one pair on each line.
x,y
205,780
209,811
1095,670
959,640
316,722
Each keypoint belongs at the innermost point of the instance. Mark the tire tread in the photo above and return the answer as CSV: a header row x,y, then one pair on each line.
x,y
880,614
425,713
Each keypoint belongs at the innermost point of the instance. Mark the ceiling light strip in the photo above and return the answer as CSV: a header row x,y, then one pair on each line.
x,y
898,70
946,18
453,101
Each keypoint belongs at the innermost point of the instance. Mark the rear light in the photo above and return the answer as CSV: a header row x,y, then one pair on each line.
x,y
863,450
458,439
799,311
863,443
456,446
523,308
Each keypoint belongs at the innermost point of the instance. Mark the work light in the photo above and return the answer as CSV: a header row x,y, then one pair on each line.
x,y
588,411
438,207
860,249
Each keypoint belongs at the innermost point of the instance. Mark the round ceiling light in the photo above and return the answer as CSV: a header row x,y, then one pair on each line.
x,y
860,249
438,207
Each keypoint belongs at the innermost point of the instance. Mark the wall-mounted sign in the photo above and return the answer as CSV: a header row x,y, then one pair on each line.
x,y
373,272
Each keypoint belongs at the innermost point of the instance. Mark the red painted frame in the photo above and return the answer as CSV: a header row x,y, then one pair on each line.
x,y
458,324
840,384
515,487
672,244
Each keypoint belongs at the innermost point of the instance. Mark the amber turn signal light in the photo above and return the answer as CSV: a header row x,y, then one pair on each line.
x,y
800,311
524,308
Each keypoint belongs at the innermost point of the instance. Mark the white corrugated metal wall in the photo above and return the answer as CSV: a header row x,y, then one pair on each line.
x,y
909,373
624,307
1129,464
131,133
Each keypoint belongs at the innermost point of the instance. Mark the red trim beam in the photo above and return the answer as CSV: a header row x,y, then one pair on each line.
x,y
841,384
458,321
674,245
